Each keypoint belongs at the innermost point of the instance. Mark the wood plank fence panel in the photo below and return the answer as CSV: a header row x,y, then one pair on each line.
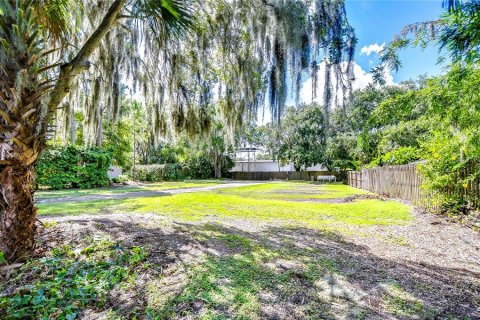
x,y
404,182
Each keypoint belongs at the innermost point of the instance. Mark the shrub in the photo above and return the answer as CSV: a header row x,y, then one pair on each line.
x,y
92,171
71,167
399,156
452,166
150,172
200,166
158,172
120,179
57,168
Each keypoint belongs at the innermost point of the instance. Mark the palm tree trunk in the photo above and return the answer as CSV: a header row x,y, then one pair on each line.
x,y
17,209
24,122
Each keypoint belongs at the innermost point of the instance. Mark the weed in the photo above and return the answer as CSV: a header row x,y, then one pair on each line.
x,y
65,281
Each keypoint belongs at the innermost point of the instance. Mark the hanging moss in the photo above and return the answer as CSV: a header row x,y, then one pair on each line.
x,y
239,52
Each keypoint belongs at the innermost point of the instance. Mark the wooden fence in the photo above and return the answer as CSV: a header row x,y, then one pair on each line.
x,y
404,182
401,182
281,175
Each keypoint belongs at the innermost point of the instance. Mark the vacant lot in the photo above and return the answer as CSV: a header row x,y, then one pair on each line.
x,y
290,250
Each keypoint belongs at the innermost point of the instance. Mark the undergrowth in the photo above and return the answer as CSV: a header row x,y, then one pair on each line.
x,y
60,285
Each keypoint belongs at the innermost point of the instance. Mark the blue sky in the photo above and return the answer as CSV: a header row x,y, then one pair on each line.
x,y
377,21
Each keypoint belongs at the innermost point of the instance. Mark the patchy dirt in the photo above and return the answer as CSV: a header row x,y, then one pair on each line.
x,y
232,267
341,200
432,263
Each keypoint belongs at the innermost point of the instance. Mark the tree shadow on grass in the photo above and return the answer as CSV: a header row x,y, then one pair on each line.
x,y
218,271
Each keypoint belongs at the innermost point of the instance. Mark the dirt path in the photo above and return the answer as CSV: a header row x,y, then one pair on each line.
x,y
141,194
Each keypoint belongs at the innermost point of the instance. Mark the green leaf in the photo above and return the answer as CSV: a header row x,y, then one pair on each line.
x,y
71,316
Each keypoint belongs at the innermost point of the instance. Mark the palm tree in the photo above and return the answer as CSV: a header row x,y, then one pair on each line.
x,y
31,31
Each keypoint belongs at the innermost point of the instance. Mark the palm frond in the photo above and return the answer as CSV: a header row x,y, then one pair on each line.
x,y
56,16
166,18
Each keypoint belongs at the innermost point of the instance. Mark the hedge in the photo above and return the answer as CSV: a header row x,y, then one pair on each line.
x,y
73,167
158,172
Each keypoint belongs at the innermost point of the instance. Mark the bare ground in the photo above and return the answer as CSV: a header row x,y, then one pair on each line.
x,y
436,264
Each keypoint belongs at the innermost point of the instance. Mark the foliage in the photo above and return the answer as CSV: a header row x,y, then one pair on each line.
x,y
340,154
199,166
73,167
121,179
457,31
402,155
118,140
150,172
67,281
303,136
461,36
436,122
356,129
265,136
453,152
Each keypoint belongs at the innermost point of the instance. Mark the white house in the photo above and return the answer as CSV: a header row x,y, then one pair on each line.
x,y
268,166
114,172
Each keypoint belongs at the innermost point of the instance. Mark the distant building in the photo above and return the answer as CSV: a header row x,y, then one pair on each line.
x,y
268,166
114,172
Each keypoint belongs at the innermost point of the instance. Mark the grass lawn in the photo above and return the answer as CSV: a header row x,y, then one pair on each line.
x,y
153,186
283,250
292,203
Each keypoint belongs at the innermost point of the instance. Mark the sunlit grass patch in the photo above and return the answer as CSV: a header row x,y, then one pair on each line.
x,y
225,286
226,204
293,190
401,303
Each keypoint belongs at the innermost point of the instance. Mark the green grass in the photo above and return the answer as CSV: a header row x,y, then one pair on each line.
x,y
239,268
259,202
154,186
294,191
399,302
229,286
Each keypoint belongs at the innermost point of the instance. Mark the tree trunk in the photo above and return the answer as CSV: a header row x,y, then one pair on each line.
x,y
17,209
217,164
24,119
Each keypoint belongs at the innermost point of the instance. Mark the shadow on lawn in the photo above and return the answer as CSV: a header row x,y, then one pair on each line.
x,y
278,273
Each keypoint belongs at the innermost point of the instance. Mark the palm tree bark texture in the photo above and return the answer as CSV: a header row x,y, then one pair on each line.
x,y
24,116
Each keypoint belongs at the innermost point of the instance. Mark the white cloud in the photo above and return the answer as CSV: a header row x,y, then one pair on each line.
x,y
375,47
362,80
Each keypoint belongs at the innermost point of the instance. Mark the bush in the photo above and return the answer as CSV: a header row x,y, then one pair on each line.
x,y
120,179
150,172
453,159
93,169
71,167
200,167
158,172
399,156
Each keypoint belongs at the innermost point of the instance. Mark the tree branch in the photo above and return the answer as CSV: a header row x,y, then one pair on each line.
x,y
80,63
